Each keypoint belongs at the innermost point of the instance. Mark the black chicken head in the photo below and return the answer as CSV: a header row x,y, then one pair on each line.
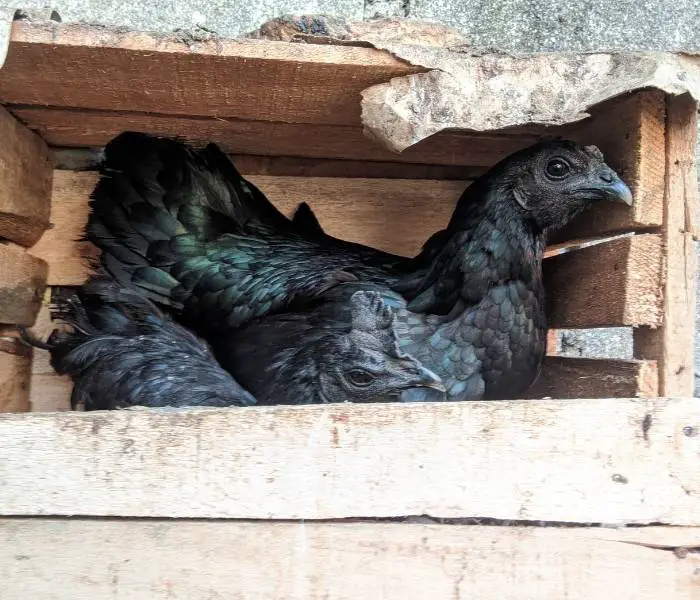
x,y
365,364
554,181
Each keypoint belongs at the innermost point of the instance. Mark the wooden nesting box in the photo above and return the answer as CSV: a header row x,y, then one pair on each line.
x,y
502,479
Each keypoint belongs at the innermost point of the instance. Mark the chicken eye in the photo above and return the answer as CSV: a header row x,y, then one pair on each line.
x,y
557,168
360,378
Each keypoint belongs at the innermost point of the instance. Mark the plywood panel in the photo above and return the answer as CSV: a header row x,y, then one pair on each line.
x,y
606,460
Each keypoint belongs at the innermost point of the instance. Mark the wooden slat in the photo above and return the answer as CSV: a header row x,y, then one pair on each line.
x,y
564,377
631,134
91,67
612,284
582,461
22,283
87,159
378,212
142,560
95,128
15,375
48,391
672,344
25,182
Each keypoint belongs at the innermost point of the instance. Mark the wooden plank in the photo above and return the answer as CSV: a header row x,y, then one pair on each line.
x,y
22,282
80,128
672,344
48,391
87,159
305,561
219,78
612,284
378,212
582,461
15,375
630,131
564,377
25,182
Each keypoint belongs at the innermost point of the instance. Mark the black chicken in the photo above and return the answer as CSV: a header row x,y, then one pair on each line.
x,y
122,351
184,226
337,351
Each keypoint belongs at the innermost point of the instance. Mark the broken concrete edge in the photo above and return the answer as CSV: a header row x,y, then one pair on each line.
x,y
487,92
7,15
470,90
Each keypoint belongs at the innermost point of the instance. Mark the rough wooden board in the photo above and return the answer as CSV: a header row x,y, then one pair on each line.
x,y
15,375
672,344
22,282
95,128
610,461
87,159
393,214
142,560
221,78
25,182
564,377
49,391
612,284
631,134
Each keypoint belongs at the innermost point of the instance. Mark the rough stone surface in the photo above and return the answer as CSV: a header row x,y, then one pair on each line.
x,y
514,25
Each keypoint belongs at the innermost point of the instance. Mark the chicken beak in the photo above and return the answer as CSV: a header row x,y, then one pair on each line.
x,y
615,189
428,379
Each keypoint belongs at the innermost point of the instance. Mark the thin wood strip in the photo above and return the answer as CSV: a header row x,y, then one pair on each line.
x,y
83,128
378,212
611,284
25,182
564,377
87,159
22,282
302,561
672,344
581,461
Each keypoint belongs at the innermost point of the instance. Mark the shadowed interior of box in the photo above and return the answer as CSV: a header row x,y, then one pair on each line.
x,y
289,118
